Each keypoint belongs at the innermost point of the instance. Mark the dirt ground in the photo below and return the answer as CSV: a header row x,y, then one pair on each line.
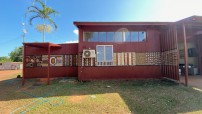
x,y
7,74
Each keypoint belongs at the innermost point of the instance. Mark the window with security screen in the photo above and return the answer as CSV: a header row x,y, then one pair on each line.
x,y
104,55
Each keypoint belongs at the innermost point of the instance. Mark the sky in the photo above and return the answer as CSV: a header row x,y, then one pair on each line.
x,y
12,16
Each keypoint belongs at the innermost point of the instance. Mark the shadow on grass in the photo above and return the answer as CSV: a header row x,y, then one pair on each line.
x,y
140,96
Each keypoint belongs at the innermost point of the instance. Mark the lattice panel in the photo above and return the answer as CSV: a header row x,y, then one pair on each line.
x,y
141,59
71,60
88,62
80,59
153,58
169,57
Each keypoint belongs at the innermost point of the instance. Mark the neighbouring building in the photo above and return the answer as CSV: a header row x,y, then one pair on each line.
x,y
11,66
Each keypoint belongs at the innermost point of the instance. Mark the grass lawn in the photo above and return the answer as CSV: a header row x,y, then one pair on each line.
x,y
122,97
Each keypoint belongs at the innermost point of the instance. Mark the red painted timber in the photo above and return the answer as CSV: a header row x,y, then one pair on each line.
x,y
59,71
119,72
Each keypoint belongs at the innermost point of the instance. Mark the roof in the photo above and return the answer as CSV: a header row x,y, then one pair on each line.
x,y
42,45
119,23
192,19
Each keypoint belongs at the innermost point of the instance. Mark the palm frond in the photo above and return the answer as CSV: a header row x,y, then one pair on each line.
x,y
42,4
33,7
52,22
33,17
51,11
32,11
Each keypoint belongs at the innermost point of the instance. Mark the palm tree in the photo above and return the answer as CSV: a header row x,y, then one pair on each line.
x,y
44,13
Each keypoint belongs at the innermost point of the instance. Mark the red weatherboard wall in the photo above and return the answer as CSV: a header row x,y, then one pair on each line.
x,y
119,72
56,71
152,44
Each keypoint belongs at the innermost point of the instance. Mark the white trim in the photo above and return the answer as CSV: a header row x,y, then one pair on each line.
x,y
105,62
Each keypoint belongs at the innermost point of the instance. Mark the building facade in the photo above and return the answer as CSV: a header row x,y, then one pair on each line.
x,y
116,50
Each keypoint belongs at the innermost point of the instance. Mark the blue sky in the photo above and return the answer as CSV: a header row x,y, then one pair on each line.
x,y
12,13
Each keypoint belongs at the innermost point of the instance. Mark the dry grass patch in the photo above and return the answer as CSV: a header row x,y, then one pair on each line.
x,y
100,97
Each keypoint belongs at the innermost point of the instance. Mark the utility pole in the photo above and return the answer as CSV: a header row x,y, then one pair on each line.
x,y
24,32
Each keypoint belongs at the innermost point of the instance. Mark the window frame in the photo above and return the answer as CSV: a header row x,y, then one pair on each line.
x,y
114,36
105,53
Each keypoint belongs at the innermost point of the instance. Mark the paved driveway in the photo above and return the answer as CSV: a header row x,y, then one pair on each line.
x,y
195,81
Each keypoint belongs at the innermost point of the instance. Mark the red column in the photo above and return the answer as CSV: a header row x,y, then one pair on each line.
x,y
176,46
23,71
185,54
48,81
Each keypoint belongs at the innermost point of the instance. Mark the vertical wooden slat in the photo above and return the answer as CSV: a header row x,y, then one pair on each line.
x,y
161,53
174,54
177,54
163,46
171,49
167,70
185,54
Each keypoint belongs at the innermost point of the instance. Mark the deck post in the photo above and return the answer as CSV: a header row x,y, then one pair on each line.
x,y
48,81
185,54
23,70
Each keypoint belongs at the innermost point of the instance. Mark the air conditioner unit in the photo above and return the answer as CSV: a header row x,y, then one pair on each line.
x,y
88,53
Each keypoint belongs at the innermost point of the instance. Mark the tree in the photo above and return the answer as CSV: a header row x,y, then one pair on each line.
x,y
43,13
16,54
4,59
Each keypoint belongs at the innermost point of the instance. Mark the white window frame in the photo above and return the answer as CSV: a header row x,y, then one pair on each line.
x,y
105,62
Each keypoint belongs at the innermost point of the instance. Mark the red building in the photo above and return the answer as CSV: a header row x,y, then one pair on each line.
x,y
119,50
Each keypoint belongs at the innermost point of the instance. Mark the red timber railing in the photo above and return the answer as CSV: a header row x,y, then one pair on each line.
x,y
169,53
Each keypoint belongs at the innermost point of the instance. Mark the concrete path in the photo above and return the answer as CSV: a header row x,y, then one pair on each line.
x,y
195,81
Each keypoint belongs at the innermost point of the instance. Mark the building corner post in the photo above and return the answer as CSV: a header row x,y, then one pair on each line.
x,y
23,60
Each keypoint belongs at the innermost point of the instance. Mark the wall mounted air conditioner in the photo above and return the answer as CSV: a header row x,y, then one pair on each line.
x,y
88,53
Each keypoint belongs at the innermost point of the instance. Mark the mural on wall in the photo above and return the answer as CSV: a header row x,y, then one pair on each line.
x,y
119,59
55,60
33,61
44,61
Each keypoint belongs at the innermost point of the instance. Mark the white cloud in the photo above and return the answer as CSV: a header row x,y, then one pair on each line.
x,y
72,41
76,31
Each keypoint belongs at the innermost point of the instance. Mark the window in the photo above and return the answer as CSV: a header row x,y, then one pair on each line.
x,y
134,36
102,36
90,36
104,53
118,36
126,36
138,36
142,36
110,36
